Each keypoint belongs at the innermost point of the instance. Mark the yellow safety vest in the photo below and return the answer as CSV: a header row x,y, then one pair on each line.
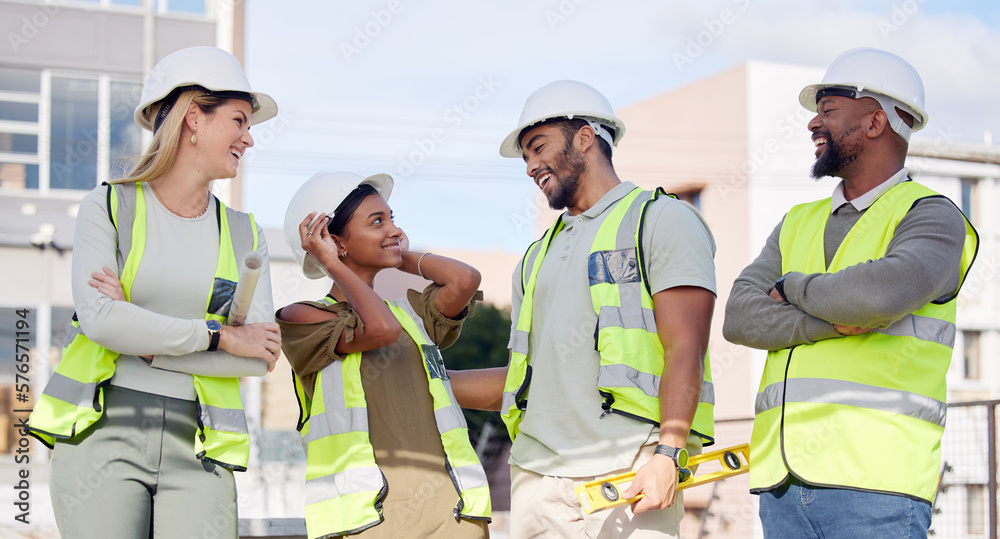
x,y
626,337
344,486
864,412
73,400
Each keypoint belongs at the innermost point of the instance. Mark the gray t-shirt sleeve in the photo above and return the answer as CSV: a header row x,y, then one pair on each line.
x,y
678,247
756,320
921,264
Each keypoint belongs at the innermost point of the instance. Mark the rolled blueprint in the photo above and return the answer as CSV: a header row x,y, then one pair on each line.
x,y
249,272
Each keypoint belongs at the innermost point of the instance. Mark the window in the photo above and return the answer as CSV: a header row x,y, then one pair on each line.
x,y
975,501
87,120
19,102
971,354
196,7
691,196
969,196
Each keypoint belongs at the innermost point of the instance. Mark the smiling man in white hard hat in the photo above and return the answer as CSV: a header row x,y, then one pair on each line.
x,y
611,311
854,297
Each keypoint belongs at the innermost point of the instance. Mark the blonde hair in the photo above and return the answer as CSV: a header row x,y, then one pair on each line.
x,y
162,151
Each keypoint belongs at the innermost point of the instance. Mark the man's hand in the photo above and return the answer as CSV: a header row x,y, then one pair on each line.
x,y
657,482
850,330
774,294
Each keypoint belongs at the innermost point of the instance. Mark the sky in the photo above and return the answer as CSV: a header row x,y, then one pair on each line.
x,y
425,91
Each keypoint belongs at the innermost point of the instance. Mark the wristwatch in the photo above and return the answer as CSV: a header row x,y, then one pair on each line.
x,y
779,286
679,455
214,334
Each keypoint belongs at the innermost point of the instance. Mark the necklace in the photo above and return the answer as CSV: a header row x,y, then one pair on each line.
x,y
178,214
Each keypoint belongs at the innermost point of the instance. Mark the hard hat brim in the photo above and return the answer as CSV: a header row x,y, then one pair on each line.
x,y
807,98
264,108
511,147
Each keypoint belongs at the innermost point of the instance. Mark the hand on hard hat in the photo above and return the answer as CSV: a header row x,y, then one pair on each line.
x,y
325,190
317,241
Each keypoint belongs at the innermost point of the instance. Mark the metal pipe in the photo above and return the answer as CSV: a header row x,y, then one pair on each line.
x,y
991,444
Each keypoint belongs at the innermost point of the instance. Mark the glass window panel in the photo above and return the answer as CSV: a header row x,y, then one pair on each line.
x,y
126,136
971,353
18,112
73,161
186,6
18,143
20,80
18,176
136,3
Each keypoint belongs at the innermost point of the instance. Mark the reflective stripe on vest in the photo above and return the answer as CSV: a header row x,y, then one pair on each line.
x,y
344,487
863,412
627,340
73,400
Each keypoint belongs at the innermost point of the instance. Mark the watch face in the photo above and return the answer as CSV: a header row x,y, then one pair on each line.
x,y
682,458
214,325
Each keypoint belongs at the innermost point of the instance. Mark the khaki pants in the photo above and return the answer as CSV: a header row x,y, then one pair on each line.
x,y
134,475
547,507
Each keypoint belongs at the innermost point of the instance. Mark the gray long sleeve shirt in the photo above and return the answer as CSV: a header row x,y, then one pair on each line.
x,y
921,264
165,317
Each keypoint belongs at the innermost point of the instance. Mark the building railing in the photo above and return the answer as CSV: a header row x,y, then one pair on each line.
x,y
966,502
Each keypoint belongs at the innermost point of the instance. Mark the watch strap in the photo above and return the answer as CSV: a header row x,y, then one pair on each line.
x,y
669,451
779,286
214,336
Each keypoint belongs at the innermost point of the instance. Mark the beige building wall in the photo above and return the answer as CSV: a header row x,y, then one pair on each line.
x,y
690,141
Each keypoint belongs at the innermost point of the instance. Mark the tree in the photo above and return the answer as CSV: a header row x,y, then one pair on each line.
x,y
483,344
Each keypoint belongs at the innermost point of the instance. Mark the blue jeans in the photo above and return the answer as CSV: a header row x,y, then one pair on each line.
x,y
797,511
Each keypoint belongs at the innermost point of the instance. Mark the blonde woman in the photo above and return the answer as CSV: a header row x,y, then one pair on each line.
x,y
144,409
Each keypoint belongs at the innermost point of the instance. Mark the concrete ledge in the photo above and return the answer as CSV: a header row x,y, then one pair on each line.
x,y
273,528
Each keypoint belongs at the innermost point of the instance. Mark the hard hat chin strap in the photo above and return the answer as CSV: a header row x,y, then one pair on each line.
x,y
889,107
601,131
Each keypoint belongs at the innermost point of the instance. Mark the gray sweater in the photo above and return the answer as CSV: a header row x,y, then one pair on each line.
x,y
921,264
165,317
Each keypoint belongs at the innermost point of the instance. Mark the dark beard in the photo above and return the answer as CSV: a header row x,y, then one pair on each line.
x,y
570,166
837,155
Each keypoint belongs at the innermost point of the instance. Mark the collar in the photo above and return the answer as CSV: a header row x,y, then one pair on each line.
x,y
865,201
616,193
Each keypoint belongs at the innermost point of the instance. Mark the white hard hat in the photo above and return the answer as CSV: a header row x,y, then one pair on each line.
x,y
210,68
878,74
323,193
566,99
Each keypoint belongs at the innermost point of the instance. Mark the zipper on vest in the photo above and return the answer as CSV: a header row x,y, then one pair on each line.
x,y
609,399
97,395
522,404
